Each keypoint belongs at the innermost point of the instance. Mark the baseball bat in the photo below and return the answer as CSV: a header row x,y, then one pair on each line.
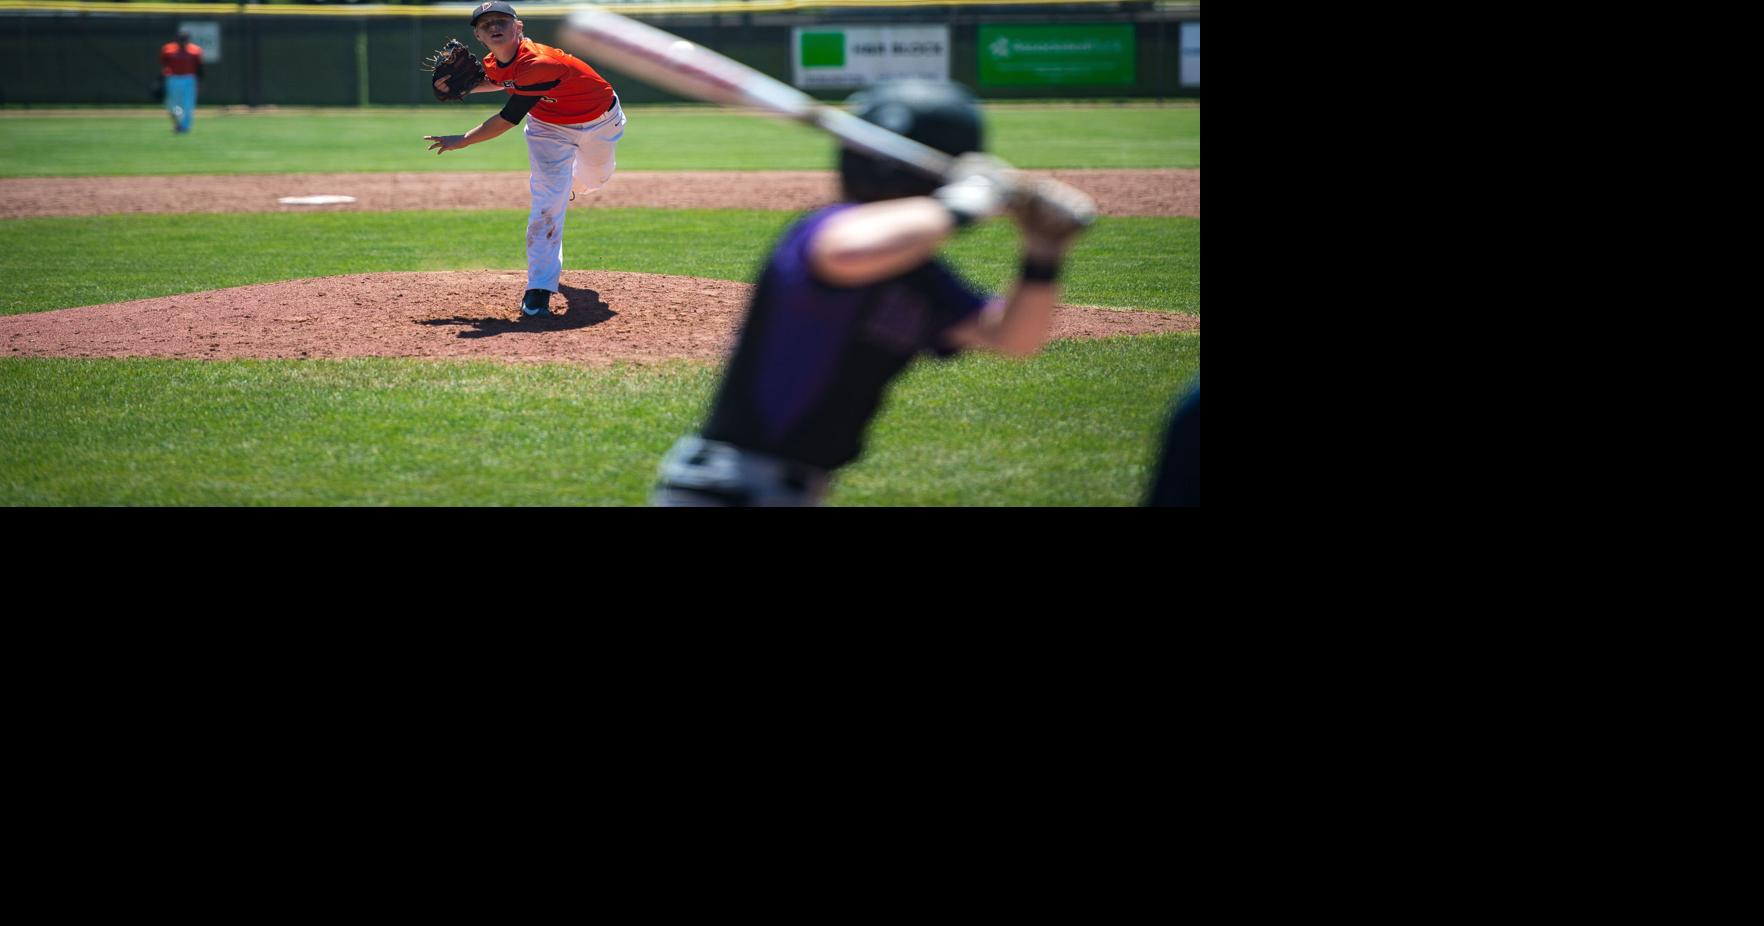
x,y
694,71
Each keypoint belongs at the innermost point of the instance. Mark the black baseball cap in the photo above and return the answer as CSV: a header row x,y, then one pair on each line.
x,y
485,8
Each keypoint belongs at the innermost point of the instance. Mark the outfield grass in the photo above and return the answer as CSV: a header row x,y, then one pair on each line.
x,y
1078,425
665,138
54,263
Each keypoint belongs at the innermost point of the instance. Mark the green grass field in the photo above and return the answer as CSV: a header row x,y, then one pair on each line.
x,y
1077,425
662,138
57,263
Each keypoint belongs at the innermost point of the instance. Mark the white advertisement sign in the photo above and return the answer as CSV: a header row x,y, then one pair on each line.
x,y
1190,74
206,35
857,56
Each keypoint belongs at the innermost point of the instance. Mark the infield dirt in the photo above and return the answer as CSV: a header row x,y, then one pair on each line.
x,y
602,317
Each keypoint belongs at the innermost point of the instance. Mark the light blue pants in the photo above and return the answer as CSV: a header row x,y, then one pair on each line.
x,y
180,99
565,159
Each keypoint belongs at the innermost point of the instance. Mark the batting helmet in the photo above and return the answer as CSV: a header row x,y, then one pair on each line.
x,y
943,115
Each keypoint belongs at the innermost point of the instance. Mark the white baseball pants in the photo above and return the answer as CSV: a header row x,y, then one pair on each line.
x,y
564,158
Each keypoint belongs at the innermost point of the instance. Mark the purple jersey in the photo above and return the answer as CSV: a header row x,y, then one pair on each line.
x,y
814,359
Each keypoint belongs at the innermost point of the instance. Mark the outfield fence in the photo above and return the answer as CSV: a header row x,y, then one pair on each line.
x,y
61,53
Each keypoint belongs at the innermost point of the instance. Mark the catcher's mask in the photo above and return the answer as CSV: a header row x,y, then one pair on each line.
x,y
943,115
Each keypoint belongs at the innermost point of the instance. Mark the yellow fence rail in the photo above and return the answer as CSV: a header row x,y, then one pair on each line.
x,y
450,11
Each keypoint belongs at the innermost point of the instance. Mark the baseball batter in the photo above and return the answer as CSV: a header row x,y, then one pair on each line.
x,y
852,294
571,139
180,66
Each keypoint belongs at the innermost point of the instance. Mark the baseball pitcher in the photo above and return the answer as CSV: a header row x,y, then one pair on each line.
x,y
571,139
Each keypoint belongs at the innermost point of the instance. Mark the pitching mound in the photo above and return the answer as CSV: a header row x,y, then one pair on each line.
x,y
601,318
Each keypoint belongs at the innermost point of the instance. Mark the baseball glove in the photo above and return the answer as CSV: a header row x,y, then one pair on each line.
x,y
461,68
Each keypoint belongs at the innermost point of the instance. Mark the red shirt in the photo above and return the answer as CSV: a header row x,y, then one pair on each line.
x,y
570,91
175,60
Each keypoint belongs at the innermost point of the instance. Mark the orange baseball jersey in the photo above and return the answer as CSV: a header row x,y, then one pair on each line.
x,y
174,60
570,91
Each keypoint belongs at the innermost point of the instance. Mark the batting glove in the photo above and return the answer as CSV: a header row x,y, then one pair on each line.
x,y
980,187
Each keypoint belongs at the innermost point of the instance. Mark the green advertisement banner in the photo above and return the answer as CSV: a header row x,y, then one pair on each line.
x,y
1035,56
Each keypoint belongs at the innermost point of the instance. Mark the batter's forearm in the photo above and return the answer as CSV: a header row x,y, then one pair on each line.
x,y
1018,325
879,240
1021,329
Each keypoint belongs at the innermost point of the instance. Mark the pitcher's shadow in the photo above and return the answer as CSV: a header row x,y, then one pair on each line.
x,y
582,308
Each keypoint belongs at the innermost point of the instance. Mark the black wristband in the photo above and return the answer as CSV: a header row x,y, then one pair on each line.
x,y
1038,270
